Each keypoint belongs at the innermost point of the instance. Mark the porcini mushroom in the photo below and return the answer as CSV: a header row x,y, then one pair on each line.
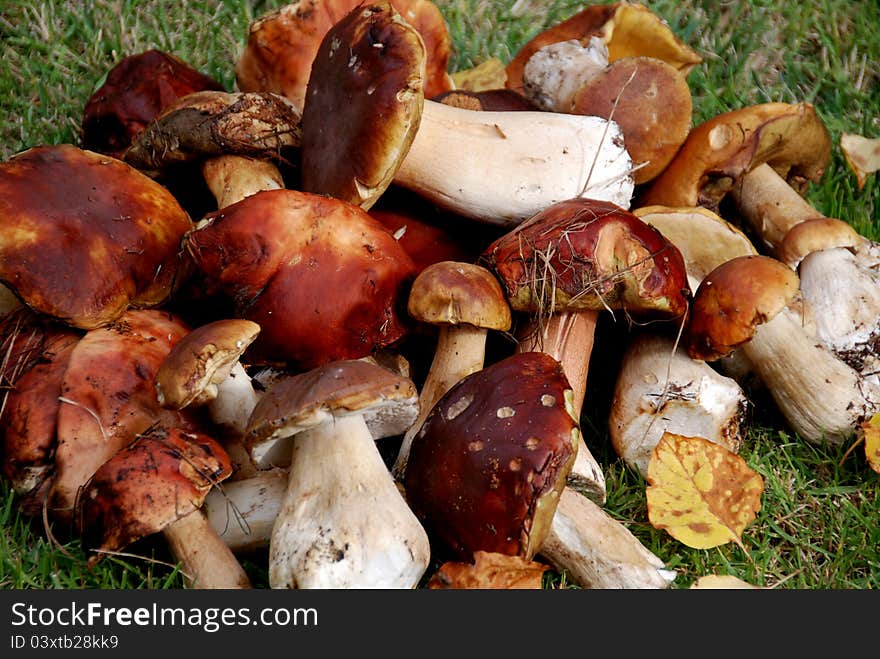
x,y
343,522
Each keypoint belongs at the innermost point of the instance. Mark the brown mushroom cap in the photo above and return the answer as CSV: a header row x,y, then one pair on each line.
x,y
136,90
363,104
157,479
584,254
201,360
282,45
734,300
791,138
814,234
387,401
651,102
453,293
83,236
322,279
487,100
628,29
486,469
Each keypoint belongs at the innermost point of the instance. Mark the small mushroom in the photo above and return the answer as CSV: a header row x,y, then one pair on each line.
x,y
343,522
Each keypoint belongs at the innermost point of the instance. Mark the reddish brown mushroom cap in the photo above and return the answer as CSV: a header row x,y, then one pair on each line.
x,y
83,236
733,300
487,467
157,479
136,90
584,254
322,279
363,104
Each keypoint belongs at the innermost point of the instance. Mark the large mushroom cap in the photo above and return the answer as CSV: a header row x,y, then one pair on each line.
x,y
487,467
282,45
387,401
589,254
83,236
734,300
363,104
791,138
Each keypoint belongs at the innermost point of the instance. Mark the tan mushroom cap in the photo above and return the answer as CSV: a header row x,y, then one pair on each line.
x,y
651,102
387,401
791,138
363,105
734,300
628,29
815,234
201,360
453,293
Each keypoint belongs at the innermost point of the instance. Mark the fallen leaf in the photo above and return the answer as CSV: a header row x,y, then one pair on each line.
x,y
722,582
871,436
701,493
490,570
862,155
491,74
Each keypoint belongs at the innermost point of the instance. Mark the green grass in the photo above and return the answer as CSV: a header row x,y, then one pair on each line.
x,y
818,527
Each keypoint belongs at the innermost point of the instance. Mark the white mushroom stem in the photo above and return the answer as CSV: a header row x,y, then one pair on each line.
x,y
822,398
232,178
503,167
343,522
594,550
207,562
235,400
554,74
568,338
243,512
660,388
460,351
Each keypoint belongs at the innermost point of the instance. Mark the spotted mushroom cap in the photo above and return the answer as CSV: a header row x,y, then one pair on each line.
x,y
486,469
363,104
733,300
201,360
387,401
162,476
588,254
84,236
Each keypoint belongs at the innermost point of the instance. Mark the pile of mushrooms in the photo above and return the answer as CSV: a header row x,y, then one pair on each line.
x,y
360,271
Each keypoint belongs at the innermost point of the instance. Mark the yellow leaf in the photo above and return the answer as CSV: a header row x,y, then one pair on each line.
x,y
490,570
491,74
862,155
871,435
701,493
722,582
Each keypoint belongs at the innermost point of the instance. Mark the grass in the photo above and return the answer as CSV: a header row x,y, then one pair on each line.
x,y
818,526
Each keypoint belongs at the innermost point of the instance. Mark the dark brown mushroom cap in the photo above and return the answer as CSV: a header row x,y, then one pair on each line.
x,y
136,90
83,236
651,102
363,104
454,293
160,477
584,254
201,360
487,100
282,45
322,279
733,300
486,470
387,401
791,138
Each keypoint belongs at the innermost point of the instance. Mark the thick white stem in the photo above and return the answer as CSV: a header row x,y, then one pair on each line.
x,y
503,167
235,401
232,178
343,522
206,561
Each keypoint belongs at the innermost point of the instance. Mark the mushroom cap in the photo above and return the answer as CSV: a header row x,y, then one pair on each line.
x,y
83,236
201,360
322,279
585,254
388,402
734,300
628,29
134,93
363,104
453,293
791,138
282,44
487,100
160,477
815,234
651,102
486,469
